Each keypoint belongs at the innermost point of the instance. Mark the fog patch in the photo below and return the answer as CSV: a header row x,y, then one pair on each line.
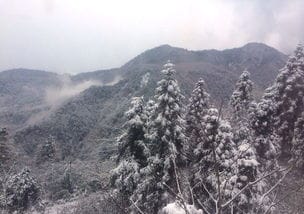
x,y
56,96
116,79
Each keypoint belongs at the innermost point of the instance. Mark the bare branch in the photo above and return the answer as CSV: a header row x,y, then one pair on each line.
x,y
204,208
210,195
276,184
191,192
253,183
179,197
139,210
283,198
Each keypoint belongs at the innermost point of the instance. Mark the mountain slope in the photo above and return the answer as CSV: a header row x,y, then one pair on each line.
x,y
22,93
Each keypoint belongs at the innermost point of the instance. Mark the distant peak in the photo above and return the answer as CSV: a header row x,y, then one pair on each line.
x,y
256,45
164,46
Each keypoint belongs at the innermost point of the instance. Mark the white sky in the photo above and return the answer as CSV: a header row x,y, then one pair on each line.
x,y
71,36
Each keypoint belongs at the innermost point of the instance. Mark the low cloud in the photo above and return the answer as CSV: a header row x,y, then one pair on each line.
x,y
78,36
56,96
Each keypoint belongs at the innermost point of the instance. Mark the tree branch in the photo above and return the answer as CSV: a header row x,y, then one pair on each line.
x,y
253,183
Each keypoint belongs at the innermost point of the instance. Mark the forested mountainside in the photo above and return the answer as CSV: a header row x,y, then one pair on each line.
x,y
82,124
202,162
80,118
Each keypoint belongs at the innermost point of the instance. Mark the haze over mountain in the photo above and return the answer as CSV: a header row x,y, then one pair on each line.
x,y
73,37
77,110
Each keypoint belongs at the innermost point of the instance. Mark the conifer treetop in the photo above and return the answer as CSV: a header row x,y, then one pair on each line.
x,y
169,69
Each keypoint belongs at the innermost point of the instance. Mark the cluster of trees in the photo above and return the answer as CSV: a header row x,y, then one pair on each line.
x,y
196,159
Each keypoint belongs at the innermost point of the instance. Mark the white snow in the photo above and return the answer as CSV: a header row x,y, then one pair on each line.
x,y
175,208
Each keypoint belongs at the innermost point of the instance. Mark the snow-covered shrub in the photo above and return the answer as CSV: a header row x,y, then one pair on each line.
x,y
22,191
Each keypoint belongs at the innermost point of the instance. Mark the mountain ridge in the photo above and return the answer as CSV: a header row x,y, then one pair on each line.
x,y
157,48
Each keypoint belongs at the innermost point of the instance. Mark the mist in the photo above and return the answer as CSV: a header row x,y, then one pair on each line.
x,y
55,97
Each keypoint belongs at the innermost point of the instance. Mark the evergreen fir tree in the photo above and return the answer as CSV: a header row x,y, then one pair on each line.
x,y
197,109
131,143
276,115
241,102
289,99
263,131
167,138
247,171
242,95
247,165
132,150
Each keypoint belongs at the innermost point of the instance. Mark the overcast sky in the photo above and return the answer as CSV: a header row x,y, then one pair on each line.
x,y
72,36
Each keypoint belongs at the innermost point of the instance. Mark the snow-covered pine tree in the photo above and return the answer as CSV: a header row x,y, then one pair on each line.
x,y
196,111
289,99
241,103
131,143
247,171
132,152
242,95
263,131
167,138
275,117
215,171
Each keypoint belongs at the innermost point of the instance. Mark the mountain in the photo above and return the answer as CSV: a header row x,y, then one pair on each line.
x,y
85,125
261,60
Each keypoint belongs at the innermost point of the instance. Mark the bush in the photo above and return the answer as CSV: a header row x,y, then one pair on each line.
x,y
22,191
